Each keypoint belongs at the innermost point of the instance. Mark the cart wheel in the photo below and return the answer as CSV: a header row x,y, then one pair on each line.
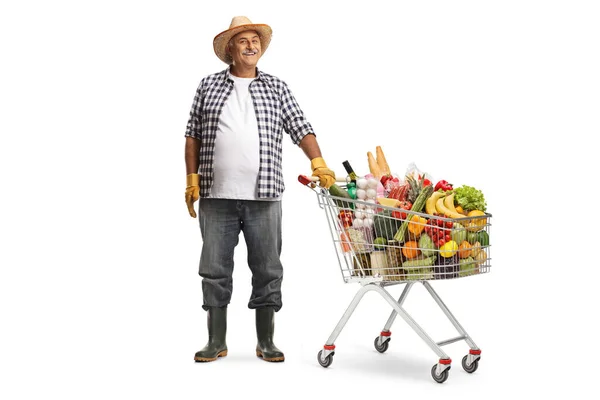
x,y
328,359
472,368
439,378
383,347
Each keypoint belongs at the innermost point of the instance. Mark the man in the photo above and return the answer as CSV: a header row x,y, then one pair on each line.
x,y
233,155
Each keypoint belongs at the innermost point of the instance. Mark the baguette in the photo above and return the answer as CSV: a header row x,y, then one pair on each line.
x,y
381,161
373,166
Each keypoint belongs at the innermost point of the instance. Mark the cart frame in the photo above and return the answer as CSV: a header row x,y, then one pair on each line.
x,y
440,370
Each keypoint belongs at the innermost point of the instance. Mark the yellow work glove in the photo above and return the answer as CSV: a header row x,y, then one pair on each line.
x,y
320,170
192,192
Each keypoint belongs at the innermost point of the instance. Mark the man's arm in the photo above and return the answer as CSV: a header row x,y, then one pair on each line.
x,y
309,145
192,152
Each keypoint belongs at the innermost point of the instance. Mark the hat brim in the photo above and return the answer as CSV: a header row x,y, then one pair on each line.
x,y
222,39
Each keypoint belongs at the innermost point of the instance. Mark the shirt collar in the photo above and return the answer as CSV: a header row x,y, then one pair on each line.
x,y
259,75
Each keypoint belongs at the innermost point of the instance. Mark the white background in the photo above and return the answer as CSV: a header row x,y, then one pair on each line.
x,y
99,292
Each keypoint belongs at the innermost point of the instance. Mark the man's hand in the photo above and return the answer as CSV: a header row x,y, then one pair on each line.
x,y
192,192
320,170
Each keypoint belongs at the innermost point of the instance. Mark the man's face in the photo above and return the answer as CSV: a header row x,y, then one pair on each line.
x,y
245,49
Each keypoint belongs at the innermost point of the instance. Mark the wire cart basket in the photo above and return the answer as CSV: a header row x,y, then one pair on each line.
x,y
387,249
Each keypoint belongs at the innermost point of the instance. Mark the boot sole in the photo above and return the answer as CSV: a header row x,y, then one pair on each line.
x,y
208,359
272,359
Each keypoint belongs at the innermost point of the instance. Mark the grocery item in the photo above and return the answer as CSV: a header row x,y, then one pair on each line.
x,y
374,167
476,224
416,225
470,198
380,243
420,274
449,203
459,233
351,188
361,239
483,238
381,161
475,249
419,263
481,257
346,217
337,191
411,249
394,253
426,245
443,210
443,185
417,206
385,225
449,249
400,191
464,249
446,267
362,264
378,263
431,201
350,171
345,242
467,266
384,201
361,183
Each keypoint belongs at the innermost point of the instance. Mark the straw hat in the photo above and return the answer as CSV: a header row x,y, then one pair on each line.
x,y
240,24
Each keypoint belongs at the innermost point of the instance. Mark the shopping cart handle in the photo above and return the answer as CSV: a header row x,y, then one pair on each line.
x,y
305,180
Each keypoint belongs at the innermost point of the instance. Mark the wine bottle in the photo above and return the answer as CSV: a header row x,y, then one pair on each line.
x,y
350,171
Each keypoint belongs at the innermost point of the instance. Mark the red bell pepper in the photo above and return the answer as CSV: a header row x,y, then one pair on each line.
x,y
444,185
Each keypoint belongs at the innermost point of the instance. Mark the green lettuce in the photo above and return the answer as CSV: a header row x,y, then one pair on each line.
x,y
469,198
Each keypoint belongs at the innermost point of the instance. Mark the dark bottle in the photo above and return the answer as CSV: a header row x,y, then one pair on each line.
x,y
350,171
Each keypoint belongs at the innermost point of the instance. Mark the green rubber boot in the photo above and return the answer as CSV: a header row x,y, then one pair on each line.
x,y
217,328
265,326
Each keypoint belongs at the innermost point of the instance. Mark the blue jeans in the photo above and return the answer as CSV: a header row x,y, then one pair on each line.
x,y
221,221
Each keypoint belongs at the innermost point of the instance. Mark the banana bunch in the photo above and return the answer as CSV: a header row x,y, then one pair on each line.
x,y
441,203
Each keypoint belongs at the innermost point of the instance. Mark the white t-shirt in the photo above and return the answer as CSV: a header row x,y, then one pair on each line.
x,y
237,157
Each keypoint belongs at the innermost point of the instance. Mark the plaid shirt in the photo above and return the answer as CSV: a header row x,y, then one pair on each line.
x,y
276,111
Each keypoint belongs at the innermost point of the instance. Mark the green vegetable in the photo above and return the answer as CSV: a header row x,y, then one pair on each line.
x,y
385,225
426,245
419,263
336,191
469,198
483,238
459,233
472,237
467,266
380,243
420,274
417,206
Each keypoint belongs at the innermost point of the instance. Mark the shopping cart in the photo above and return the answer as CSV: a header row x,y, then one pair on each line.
x,y
391,250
